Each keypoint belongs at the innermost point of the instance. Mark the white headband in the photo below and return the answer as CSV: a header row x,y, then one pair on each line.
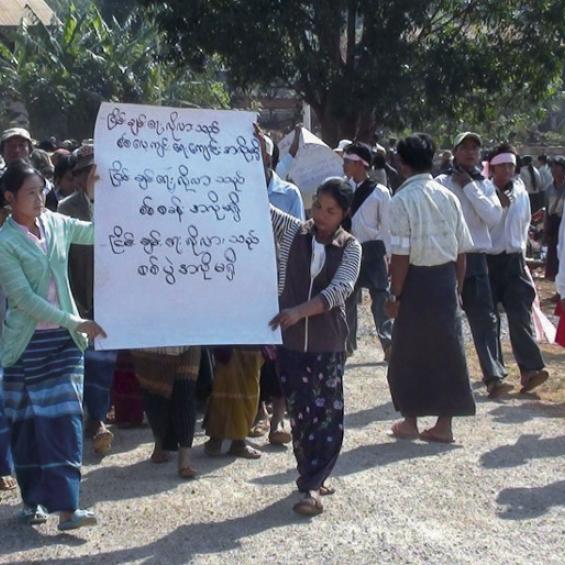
x,y
355,157
502,159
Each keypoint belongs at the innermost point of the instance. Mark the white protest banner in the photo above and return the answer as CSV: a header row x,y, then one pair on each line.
x,y
184,250
314,163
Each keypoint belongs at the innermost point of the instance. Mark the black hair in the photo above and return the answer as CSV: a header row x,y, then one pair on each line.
x,y
542,159
16,174
64,164
417,151
362,150
47,145
379,161
339,190
503,148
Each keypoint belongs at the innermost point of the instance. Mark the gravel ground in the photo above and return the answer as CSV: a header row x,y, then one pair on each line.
x,y
496,496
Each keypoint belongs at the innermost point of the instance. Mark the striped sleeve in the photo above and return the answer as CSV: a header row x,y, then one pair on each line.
x,y
20,294
343,282
283,223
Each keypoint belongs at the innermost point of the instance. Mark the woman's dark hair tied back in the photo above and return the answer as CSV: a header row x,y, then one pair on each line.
x,y
339,190
16,174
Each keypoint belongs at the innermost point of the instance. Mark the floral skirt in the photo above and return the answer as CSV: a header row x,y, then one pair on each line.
x,y
313,386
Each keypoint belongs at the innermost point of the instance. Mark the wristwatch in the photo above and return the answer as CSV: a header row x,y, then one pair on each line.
x,y
392,298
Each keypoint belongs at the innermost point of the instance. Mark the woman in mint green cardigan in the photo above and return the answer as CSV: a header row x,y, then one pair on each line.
x,y
42,343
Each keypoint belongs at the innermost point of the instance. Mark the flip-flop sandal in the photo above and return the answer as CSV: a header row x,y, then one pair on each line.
x,y
429,436
102,442
244,452
398,434
308,507
534,381
259,429
8,483
279,437
79,519
187,472
326,490
33,516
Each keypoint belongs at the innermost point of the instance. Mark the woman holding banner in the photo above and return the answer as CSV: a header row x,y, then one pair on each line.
x,y
42,344
318,267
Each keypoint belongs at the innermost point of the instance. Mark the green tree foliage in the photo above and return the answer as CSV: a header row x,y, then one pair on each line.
x,y
392,63
62,73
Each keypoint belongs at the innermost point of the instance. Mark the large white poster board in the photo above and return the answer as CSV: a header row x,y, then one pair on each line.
x,y
313,164
184,250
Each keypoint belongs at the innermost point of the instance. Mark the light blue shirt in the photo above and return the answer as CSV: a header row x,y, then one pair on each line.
x,y
285,196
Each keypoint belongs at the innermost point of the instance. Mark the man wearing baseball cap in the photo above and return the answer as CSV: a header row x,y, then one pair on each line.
x,y
15,144
482,210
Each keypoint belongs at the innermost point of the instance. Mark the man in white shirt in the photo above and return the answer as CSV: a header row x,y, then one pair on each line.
x,y
532,180
544,171
427,373
482,210
370,225
510,281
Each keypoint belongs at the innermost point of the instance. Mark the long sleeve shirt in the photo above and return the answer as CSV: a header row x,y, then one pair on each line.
x,y
371,222
481,209
510,235
25,271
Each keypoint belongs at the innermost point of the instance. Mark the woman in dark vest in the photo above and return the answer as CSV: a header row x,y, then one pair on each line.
x,y
318,267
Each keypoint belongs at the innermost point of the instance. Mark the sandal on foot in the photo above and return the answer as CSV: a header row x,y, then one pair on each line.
x,y
279,437
79,519
397,433
432,437
308,506
102,442
33,515
244,451
533,381
8,483
259,429
326,490
187,472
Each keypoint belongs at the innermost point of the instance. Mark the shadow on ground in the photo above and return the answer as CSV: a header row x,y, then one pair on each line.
x,y
366,417
367,457
528,447
181,545
526,503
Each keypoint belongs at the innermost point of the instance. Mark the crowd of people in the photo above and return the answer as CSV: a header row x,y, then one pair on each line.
x,y
428,241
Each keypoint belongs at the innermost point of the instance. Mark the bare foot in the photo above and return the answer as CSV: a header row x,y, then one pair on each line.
x,y
405,429
186,471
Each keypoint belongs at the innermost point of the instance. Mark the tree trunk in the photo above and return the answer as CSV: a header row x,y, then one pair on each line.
x,y
356,125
